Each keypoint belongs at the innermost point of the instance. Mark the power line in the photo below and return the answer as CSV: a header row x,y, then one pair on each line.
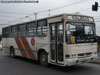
x,y
4,12
61,6
97,21
3,24
97,18
55,8
17,20
49,10
84,9
69,5
8,16
3,21
12,21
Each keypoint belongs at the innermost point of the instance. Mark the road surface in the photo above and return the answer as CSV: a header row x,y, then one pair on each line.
x,y
20,66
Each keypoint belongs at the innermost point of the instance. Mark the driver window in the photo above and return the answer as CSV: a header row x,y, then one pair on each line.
x,y
72,27
68,33
88,30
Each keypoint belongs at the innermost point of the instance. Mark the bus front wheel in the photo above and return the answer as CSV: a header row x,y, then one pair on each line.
x,y
43,59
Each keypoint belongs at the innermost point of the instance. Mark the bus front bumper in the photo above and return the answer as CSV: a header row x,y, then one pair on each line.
x,y
74,61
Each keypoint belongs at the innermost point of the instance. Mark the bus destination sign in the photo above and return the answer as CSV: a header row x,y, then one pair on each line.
x,y
80,18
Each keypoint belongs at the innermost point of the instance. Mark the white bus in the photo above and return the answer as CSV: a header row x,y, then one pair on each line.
x,y
64,40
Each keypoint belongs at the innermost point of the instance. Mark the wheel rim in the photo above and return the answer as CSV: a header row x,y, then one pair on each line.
x,y
43,59
12,54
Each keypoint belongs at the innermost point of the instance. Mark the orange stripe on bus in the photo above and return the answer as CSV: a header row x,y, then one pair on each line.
x,y
20,47
28,48
28,55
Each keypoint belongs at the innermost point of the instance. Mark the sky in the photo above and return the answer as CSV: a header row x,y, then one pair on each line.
x,y
13,13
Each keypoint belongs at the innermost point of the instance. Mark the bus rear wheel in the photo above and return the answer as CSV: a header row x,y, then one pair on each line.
x,y
12,53
43,59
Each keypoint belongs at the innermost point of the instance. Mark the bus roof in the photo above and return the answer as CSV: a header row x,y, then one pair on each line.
x,y
48,18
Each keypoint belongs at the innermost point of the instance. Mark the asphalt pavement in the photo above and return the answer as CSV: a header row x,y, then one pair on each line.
x,y
21,66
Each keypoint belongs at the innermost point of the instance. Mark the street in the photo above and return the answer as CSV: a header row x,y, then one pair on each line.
x,y
21,66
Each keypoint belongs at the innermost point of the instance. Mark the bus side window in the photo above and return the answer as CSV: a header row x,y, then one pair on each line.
x,y
7,32
14,31
31,29
3,32
22,30
42,28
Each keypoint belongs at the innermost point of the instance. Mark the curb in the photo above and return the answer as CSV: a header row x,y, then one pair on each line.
x,y
95,62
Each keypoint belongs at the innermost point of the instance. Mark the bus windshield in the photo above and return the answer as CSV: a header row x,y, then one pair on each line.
x,y
80,33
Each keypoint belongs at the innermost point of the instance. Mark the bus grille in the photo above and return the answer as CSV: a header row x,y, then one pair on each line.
x,y
84,54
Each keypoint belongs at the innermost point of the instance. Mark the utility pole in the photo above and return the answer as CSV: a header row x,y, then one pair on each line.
x,y
35,16
49,12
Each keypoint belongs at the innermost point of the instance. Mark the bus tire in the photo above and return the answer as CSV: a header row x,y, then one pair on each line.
x,y
12,52
43,59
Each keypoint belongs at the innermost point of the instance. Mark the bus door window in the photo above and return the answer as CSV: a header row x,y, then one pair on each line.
x,y
60,33
53,41
60,42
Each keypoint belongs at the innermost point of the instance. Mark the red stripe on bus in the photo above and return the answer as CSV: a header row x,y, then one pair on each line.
x,y
20,47
28,48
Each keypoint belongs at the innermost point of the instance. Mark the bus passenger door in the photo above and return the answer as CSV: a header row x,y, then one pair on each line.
x,y
56,42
